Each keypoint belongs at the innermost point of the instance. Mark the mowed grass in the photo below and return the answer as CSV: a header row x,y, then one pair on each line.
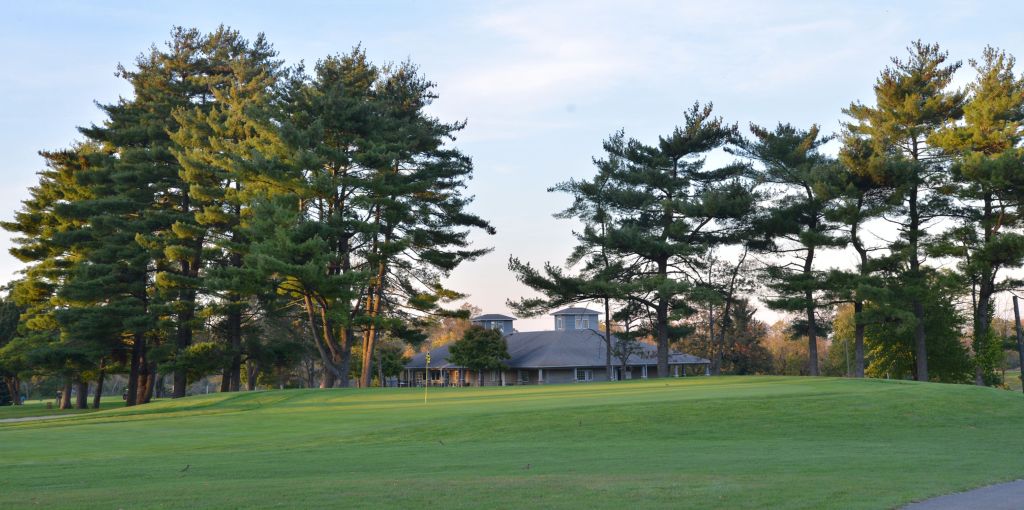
x,y
723,442
38,408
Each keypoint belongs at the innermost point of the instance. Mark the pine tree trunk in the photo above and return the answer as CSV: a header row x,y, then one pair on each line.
x,y
135,369
252,373
920,342
608,339
662,315
373,303
150,383
345,367
858,304
225,380
662,318
812,326
981,326
716,350
371,333
812,338
144,382
99,390
65,396
858,363
183,339
330,354
328,379
81,393
14,388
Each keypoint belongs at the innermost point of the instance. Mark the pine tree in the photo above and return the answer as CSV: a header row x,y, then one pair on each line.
x,y
806,185
224,148
913,101
602,276
860,201
669,210
988,181
182,74
64,248
418,215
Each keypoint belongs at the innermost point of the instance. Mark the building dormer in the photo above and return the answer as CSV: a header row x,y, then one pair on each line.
x,y
500,322
571,319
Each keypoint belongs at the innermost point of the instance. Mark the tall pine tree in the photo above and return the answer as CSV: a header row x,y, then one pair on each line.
x,y
912,102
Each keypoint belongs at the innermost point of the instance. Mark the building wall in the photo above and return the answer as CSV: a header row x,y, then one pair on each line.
x,y
551,375
570,322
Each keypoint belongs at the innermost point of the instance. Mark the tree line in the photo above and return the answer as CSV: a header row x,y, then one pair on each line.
x,y
237,212
925,187
238,216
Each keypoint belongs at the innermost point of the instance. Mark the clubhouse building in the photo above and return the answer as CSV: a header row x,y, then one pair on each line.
x,y
573,353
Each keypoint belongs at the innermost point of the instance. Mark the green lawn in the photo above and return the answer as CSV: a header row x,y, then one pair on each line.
x,y
724,442
38,408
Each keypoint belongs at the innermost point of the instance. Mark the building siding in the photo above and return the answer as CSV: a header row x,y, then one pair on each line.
x,y
568,322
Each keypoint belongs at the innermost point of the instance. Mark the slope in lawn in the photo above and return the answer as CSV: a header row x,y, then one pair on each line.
x,y
736,442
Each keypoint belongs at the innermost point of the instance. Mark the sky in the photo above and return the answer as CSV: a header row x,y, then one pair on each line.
x,y
541,84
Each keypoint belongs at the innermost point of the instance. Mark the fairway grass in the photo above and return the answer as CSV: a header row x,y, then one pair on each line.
x,y
36,408
722,442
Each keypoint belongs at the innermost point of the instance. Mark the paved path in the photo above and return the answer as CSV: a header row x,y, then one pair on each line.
x,y
34,418
1003,496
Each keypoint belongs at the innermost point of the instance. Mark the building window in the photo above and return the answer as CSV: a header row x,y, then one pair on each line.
x,y
586,323
494,376
495,325
559,322
524,377
584,375
579,322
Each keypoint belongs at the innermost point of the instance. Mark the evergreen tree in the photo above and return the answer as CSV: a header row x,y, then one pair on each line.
x,y
797,224
308,233
667,210
418,215
224,149
69,227
860,201
602,276
913,101
988,181
183,74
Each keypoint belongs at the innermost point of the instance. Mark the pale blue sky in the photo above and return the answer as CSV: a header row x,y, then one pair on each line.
x,y
541,83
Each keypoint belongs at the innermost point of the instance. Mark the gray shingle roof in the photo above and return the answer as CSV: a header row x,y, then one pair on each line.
x,y
492,317
575,311
558,349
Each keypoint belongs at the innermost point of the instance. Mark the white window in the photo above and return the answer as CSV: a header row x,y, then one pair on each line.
x,y
579,322
559,322
495,325
584,375
524,377
586,322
